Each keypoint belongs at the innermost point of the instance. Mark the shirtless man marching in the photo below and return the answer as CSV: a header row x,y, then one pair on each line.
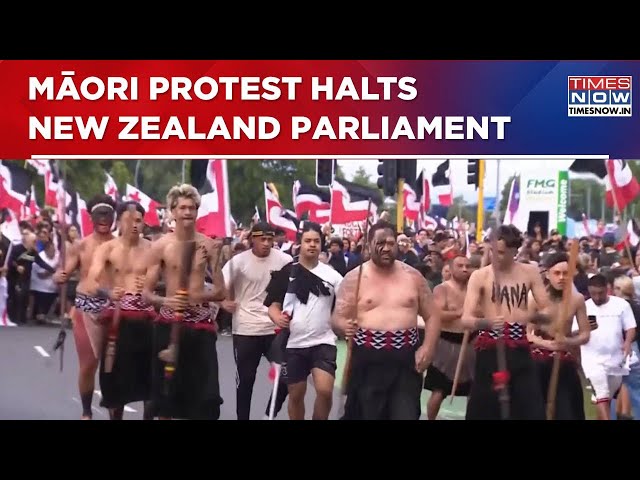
x,y
125,375
569,397
193,391
506,317
449,298
387,362
88,332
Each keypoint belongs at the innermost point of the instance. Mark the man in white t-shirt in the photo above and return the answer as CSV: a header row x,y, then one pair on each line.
x,y
246,278
605,357
301,298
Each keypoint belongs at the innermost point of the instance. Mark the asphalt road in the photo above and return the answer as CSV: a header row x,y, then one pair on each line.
x,y
33,388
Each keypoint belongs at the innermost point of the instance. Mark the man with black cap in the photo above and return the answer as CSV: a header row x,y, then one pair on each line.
x,y
246,277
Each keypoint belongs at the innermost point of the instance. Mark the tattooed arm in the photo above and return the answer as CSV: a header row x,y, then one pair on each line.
x,y
346,298
430,312
214,250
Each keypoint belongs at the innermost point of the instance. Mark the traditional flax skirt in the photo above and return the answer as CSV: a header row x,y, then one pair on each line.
x,y
193,392
130,378
384,384
526,401
569,396
442,370
88,329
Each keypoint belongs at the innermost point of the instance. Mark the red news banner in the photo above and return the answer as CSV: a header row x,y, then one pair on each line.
x,y
226,108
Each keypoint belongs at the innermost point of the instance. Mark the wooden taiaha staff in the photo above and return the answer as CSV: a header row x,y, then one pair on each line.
x,y
558,330
347,364
501,377
112,335
62,221
188,251
456,377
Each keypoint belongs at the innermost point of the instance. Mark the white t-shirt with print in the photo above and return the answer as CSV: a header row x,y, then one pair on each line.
x,y
311,322
604,349
251,275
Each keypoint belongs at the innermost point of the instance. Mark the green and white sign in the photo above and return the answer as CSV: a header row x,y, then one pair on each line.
x,y
563,201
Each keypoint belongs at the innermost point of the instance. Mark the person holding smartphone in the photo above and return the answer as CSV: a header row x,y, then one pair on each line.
x,y
605,356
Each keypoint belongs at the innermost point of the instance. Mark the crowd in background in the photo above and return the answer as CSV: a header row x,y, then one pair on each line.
x,y
34,297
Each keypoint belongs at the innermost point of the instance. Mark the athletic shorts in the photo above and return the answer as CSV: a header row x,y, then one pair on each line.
x,y
605,387
300,362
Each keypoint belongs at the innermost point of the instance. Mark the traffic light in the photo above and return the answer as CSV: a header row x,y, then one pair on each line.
x,y
407,171
388,179
473,172
199,173
325,171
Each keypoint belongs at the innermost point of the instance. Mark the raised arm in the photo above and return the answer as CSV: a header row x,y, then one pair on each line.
x,y
345,309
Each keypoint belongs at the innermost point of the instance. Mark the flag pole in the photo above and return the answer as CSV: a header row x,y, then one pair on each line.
x,y
496,208
480,210
616,206
399,207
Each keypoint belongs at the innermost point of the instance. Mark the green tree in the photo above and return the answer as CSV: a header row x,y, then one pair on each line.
x,y
121,175
587,196
504,196
459,209
247,178
86,176
361,177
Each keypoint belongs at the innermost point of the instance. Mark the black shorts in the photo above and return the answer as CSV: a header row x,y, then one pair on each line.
x,y
300,362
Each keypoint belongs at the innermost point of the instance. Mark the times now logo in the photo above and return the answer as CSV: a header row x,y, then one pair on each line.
x,y
600,96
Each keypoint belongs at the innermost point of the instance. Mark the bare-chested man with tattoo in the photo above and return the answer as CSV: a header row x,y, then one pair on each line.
x,y
193,390
504,302
449,297
88,331
125,367
569,404
387,361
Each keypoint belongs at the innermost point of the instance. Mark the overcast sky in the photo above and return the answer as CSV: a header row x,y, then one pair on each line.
x,y
459,172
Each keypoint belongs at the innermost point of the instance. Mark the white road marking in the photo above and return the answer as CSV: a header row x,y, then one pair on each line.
x,y
126,407
42,351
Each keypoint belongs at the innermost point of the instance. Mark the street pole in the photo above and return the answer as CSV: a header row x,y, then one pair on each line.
x,y
400,206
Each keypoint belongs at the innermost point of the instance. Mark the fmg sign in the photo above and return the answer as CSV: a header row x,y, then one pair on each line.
x,y
541,189
544,192
541,183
